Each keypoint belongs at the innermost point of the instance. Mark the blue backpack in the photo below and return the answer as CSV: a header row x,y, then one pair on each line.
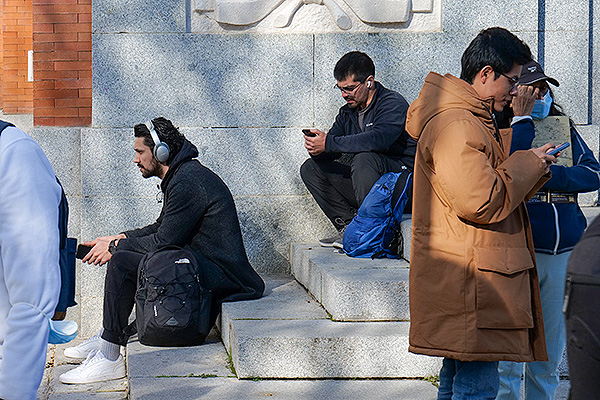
x,y
377,222
67,249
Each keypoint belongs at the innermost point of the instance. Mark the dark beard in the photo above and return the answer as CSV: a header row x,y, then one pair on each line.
x,y
153,171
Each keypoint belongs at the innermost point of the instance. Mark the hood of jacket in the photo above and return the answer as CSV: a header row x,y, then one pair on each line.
x,y
188,152
442,93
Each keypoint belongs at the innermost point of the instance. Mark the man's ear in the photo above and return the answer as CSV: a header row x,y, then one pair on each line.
x,y
486,73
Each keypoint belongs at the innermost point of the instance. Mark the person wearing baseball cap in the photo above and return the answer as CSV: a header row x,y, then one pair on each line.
x,y
557,224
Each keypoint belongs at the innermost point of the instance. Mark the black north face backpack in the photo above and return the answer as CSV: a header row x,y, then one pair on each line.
x,y
172,306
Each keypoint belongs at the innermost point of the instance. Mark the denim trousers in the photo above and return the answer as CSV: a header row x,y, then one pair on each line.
x,y
468,380
541,378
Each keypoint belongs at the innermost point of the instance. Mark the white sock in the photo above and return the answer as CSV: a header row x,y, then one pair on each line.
x,y
110,350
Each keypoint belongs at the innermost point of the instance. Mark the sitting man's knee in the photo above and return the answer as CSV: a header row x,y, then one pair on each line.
x,y
365,161
307,169
365,158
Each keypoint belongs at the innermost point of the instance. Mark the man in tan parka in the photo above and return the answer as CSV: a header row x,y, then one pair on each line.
x,y
474,293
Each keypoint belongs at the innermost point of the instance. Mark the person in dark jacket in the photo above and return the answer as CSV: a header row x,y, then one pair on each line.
x,y
366,141
582,296
198,214
557,224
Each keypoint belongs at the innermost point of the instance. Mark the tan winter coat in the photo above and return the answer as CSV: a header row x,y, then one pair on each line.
x,y
474,292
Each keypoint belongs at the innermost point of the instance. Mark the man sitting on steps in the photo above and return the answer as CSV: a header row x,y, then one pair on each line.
x,y
198,214
366,141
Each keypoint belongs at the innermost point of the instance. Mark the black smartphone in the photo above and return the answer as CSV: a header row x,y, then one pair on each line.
x,y
559,148
307,132
82,251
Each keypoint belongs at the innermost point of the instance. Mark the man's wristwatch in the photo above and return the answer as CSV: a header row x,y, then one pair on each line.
x,y
112,246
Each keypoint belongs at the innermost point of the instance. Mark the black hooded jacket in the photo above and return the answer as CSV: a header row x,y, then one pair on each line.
x,y
199,214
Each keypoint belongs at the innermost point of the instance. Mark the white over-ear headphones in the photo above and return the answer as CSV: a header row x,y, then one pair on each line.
x,y
161,149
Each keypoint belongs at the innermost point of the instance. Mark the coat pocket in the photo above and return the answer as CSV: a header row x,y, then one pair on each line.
x,y
503,288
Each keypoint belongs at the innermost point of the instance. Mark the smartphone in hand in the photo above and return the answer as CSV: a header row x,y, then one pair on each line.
x,y
82,251
558,149
307,132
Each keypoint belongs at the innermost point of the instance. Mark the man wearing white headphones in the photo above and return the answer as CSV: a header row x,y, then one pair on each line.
x,y
198,213
366,141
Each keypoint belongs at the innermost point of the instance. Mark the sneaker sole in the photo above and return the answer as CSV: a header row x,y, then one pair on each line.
x,y
103,378
78,355
326,244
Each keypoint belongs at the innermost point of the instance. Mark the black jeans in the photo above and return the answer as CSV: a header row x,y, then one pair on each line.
x,y
119,295
339,188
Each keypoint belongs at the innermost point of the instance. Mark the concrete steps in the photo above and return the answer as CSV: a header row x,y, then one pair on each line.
x,y
353,323
353,289
287,334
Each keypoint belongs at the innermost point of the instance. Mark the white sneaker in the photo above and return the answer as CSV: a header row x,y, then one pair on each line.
x,y
95,368
82,350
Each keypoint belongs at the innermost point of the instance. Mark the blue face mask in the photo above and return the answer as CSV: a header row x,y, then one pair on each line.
x,y
62,331
541,108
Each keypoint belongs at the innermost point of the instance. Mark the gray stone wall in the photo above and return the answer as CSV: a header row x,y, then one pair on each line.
x,y
242,94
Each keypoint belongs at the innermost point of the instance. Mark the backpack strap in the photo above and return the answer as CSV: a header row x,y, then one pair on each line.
x,y
63,216
3,125
402,185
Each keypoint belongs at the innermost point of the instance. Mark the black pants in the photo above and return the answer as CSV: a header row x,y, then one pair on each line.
x,y
119,295
339,188
582,316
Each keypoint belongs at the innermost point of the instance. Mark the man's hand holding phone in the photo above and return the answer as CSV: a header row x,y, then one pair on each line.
x,y
314,141
99,254
556,151
543,154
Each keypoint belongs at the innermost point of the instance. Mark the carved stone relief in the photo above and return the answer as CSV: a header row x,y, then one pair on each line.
x,y
316,15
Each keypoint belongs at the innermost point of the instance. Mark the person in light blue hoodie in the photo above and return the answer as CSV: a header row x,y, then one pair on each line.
x,y
557,224
29,261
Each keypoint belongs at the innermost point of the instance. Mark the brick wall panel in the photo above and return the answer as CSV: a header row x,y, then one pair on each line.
x,y
73,84
77,46
52,75
72,121
52,18
63,62
56,94
17,31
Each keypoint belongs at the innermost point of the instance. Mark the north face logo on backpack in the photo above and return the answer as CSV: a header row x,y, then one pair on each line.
x,y
183,261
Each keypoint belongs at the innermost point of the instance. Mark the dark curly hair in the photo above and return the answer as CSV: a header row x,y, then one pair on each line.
x,y
355,64
166,133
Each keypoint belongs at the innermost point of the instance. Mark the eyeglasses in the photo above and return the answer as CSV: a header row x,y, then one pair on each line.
x,y
514,81
348,90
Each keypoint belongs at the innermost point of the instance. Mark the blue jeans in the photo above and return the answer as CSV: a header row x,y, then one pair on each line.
x,y
541,377
472,380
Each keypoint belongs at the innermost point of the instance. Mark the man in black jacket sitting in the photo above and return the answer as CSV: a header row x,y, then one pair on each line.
x,y
366,141
198,214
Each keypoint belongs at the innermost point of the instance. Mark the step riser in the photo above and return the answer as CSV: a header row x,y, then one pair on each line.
x,y
336,355
353,289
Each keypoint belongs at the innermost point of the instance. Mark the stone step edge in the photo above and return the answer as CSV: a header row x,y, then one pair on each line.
x,y
352,289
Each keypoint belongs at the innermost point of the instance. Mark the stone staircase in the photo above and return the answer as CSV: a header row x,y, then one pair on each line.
x,y
335,318
341,317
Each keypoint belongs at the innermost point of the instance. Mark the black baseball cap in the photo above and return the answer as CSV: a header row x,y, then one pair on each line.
x,y
533,72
